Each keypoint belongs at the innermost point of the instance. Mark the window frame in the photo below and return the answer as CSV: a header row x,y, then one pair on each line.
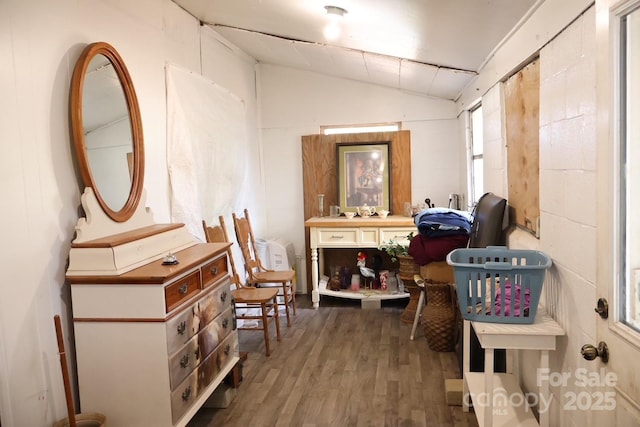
x,y
471,145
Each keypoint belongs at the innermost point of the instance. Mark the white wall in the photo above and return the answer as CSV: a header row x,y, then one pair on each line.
x,y
568,194
296,103
40,41
544,23
567,191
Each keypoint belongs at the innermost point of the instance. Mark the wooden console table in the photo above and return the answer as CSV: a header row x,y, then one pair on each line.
x,y
340,232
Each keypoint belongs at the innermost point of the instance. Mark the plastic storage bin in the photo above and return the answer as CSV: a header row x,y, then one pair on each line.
x,y
499,285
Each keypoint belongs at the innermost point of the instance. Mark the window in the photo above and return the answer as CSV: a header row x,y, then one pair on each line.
x,y
476,150
376,127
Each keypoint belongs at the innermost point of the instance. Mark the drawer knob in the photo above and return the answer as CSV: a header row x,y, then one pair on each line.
x,y
184,361
214,270
337,237
223,296
183,288
186,394
225,323
182,327
227,349
196,353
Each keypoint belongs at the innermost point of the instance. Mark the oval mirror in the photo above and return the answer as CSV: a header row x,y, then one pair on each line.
x,y
107,130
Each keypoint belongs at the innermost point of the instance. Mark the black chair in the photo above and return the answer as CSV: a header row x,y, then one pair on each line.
x,y
489,227
490,222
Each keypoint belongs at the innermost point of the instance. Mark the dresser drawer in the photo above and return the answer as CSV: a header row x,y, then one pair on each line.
x,y
183,362
199,347
216,362
328,237
197,316
214,333
188,391
213,271
181,328
181,290
217,301
228,350
398,235
184,396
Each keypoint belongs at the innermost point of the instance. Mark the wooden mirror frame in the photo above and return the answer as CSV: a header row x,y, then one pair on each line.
x,y
77,90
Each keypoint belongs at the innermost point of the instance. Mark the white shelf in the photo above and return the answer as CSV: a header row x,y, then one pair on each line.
x,y
540,336
372,295
504,387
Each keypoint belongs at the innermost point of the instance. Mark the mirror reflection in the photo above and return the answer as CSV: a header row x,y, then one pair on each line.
x,y
107,132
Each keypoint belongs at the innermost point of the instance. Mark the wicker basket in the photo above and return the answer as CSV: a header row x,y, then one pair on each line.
x,y
439,317
408,267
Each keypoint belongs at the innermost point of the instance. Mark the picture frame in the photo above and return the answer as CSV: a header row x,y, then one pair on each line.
x,y
364,175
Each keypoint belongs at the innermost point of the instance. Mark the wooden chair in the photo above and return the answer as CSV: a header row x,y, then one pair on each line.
x,y
257,274
246,297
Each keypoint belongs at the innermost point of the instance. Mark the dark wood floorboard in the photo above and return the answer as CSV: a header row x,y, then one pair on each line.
x,y
341,366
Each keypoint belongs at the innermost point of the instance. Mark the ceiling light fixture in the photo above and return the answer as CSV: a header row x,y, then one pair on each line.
x,y
335,10
332,30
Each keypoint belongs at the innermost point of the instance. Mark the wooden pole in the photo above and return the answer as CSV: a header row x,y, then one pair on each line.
x,y
65,372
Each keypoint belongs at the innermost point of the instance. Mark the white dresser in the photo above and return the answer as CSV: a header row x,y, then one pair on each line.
x,y
152,340
153,343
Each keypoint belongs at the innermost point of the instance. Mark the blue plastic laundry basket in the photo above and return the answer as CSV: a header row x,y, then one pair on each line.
x,y
496,284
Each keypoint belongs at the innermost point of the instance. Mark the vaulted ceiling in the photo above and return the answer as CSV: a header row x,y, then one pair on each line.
x,y
430,47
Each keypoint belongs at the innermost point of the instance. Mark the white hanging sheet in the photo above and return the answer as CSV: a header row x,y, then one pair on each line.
x,y
206,149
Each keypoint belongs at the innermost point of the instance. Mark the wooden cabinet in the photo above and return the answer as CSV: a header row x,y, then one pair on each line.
x,y
153,343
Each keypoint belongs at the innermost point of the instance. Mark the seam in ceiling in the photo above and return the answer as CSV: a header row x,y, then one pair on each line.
x,y
363,52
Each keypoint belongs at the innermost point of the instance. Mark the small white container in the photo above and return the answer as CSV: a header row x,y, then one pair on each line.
x,y
355,282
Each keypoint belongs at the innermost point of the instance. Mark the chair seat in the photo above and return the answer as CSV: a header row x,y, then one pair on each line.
x,y
274,276
254,295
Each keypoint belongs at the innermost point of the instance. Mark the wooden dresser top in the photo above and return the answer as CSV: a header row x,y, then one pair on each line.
x,y
156,273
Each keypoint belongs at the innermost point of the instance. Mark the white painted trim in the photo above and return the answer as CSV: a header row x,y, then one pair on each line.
x,y
469,155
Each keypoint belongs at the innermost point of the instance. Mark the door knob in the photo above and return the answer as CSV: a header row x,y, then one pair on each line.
x,y
590,352
602,308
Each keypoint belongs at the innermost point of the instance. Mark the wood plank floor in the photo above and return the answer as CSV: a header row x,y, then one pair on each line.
x,y
341,366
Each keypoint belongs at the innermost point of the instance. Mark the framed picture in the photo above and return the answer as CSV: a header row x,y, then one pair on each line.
x,y
363,175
